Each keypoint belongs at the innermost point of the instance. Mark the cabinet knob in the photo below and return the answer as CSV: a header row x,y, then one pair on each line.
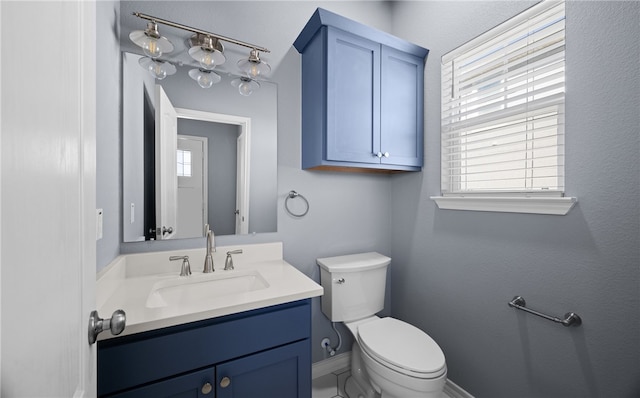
x,y
379,154
225,382
386,154
206,388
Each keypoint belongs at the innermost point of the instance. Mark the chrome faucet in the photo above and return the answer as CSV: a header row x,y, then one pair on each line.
x,y
186,267
211,247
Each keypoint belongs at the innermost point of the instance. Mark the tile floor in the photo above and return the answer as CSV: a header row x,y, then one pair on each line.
x,y
330,385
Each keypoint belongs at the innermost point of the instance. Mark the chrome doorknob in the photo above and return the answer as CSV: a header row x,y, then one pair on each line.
x,y
97,325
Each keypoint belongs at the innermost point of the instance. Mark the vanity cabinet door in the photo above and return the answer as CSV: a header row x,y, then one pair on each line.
x,y
200,384
282,372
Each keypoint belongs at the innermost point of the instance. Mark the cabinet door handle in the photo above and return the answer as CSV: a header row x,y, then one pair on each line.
x,y
206,388
386,154
379,154
225,382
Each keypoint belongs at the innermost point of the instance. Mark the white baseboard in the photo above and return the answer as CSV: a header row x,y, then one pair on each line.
x,y
332,364
343,361
455,391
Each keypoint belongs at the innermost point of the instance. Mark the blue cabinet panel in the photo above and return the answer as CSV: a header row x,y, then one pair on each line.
x,y
132,361
402,108
277,373
353,97
192,385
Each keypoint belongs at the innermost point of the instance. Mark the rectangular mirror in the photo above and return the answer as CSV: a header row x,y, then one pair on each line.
x,y
219,166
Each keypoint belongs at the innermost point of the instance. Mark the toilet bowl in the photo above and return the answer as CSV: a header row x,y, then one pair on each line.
x,y
389,358
401,360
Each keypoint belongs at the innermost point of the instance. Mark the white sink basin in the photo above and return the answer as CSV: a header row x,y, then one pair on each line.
x,y
196,289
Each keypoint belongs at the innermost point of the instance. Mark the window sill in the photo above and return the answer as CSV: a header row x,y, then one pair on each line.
x,y
559,206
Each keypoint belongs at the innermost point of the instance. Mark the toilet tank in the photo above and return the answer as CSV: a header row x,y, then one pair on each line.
x,y
354,285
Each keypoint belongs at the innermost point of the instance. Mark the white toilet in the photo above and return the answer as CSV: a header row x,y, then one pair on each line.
x,y
389,358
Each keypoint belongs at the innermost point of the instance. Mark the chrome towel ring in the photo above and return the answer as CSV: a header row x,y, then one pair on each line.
x,y
292,195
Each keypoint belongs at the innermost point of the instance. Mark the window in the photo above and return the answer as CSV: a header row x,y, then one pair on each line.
x,y
184,163
502,121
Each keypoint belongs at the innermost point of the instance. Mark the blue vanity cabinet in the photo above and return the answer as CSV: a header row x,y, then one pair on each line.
x,y
362,97
259,353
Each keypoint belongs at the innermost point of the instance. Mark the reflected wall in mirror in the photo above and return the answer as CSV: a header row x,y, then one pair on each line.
x,y
234,140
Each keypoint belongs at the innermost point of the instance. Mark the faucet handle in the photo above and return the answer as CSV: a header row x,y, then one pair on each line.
x,y
186,267
228,263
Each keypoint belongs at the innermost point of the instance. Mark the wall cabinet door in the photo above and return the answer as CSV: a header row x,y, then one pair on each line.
x,y
402,108
281,372
353,98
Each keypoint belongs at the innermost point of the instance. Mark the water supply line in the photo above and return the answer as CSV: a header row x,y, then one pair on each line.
x,y
326,343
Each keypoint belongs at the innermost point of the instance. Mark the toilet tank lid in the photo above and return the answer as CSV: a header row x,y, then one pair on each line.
x,y
354,262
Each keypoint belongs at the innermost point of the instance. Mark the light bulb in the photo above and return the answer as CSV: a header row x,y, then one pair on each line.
x,y
204,80
151,48
245,85
254,71
157,71
158,68
206,60
244,88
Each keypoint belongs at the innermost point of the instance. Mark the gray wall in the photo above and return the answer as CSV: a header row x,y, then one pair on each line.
x,y
108,144
454,272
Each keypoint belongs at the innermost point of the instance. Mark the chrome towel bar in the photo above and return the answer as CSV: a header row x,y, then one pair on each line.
x,y
570,318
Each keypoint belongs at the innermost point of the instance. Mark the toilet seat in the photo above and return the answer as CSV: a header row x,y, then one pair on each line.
x,y
402,347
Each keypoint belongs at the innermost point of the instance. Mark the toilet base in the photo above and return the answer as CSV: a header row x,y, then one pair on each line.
x,y
354,390
358,385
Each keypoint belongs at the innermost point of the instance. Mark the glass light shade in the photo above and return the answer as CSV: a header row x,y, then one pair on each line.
x,y
208,58
205,78
153,47
159,69
245,85
254,69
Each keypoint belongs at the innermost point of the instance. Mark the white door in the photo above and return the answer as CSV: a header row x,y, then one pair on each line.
x,y
48,203
242,183
166,178
192,186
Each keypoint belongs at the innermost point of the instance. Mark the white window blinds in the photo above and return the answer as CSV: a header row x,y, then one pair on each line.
x,y
503,107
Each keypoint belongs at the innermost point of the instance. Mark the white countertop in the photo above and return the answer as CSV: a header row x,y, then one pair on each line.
x,y
126,283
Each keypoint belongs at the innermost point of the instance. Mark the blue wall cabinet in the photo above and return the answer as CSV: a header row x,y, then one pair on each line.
x,y
362,97
259,353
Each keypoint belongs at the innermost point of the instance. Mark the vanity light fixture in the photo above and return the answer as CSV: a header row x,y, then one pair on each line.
x,y
158,68
253,66
205,78
205,47
150,40
246,86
